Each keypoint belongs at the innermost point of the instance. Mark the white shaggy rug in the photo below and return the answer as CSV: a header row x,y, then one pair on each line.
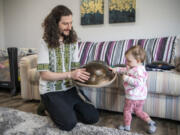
x,y
14,122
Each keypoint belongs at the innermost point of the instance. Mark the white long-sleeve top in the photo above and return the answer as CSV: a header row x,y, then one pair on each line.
x,y
135,82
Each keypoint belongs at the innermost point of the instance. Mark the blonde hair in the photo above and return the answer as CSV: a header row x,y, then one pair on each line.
x,y
137,52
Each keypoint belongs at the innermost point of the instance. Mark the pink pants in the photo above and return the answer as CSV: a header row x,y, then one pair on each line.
x,y
135,106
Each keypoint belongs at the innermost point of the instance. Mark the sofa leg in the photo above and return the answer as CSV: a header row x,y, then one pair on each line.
x,y
41,109
13,92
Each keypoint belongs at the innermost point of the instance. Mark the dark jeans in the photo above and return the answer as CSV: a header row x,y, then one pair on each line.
x,y
66,108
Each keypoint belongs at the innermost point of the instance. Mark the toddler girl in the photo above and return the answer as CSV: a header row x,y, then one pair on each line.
x,y
135,77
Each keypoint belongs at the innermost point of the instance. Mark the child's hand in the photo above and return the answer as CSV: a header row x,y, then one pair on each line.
x,y
112,69
123,76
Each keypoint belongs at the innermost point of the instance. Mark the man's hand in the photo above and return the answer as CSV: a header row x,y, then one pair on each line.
x,y
80,75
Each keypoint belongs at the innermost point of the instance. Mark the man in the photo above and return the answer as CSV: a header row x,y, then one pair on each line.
x,y
58,54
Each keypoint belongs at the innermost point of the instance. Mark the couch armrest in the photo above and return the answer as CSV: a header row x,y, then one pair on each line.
x,y
29,88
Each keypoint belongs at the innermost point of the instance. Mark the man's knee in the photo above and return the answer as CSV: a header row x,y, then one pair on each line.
x,y
93,118
67,125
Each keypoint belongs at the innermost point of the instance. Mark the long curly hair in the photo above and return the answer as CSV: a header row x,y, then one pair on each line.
x,y
51,30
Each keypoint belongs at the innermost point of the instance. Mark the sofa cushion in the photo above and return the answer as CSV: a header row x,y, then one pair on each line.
x,y
162,83
162,49
156,105
165,83
112,52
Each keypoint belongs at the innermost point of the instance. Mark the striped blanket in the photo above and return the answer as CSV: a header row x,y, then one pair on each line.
x,y
112,52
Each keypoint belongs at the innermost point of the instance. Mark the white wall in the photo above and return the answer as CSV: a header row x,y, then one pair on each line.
x,y
1,25
154,18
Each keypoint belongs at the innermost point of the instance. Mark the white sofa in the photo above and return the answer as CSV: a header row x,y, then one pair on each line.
x,y
163,87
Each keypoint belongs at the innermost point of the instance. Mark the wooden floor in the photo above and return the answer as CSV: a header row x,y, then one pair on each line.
x,y
107,119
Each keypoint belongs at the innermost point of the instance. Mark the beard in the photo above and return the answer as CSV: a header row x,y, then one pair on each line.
x,y
64,33
67,36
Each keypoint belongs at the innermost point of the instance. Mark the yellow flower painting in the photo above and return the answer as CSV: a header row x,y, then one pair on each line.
x,y
122,11
92,12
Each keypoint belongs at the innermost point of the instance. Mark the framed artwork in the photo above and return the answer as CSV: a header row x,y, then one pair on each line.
x,y
92,12
122,11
